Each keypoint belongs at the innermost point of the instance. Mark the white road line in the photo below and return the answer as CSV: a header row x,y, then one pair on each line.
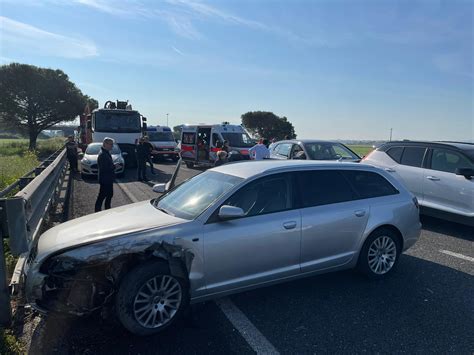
x,y
460,256
127,191
251,334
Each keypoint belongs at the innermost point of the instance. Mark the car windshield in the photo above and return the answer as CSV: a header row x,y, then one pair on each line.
x,y
117,122
241,139
193,197
161,136
94,149
329,151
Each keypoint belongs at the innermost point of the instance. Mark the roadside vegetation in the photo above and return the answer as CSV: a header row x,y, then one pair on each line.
x,y
16,160
361,150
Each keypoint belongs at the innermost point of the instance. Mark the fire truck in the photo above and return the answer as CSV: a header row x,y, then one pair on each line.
x,y
200,143
116,120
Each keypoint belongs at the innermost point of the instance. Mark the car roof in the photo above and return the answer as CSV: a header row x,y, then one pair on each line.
x,y
247,169
306,141
457,145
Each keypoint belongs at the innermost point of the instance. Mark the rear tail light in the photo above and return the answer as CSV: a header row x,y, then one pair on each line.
x,y
415,201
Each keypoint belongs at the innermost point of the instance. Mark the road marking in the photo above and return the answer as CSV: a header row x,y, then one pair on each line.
x,y
251,334
460,256
127,191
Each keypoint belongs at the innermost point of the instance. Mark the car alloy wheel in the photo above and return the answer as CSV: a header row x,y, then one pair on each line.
x,y
382,255
157,301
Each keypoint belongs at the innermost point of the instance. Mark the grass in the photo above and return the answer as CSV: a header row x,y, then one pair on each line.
x,y
16,160
9,345
361,149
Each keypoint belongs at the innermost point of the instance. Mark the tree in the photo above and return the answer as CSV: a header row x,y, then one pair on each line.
x,y
177,131
33,99
93,103
268,125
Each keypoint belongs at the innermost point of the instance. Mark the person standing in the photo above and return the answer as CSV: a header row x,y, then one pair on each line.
x,y
259,151
106,175
142,153
149,158
71,153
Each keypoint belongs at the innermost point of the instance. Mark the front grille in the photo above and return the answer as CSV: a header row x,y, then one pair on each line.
x,y
94,166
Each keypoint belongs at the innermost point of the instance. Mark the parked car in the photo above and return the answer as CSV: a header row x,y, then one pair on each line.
x,y
89,161
226,230
439,174
312,150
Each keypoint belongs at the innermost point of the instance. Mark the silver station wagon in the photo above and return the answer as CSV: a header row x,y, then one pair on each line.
x,y
229,229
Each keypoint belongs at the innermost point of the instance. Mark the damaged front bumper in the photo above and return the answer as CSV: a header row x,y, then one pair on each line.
x,y
83,280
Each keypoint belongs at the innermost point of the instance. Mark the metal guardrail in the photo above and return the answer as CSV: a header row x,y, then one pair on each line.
x,y
22,217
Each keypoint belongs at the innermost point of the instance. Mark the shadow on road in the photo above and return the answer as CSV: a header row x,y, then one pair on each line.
x,y
441,226
423,307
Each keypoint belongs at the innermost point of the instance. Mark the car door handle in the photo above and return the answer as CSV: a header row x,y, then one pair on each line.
x,y
390,170
359,213
432,178
289,225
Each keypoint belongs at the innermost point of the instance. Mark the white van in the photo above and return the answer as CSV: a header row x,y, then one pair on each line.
x,y
200,143
163,140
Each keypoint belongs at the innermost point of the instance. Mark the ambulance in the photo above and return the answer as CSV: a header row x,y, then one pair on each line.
x,y
201,142
163,140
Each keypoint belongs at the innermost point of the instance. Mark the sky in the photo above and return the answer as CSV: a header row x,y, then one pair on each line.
x,y
336,69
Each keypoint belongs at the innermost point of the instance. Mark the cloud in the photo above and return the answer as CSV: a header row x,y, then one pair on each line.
x,y
180,16
177,50
33,39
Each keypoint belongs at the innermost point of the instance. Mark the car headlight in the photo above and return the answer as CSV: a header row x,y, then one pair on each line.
x,y
85,161
118,161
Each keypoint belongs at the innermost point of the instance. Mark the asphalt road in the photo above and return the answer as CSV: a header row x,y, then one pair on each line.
x,y
426,306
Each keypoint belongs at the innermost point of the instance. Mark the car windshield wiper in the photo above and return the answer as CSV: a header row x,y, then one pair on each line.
x,y
164,211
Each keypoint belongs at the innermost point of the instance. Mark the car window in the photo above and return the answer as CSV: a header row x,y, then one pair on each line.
x,y
369,184
283,149
328,151
342,152
266,195
322,187
413,156
448,160
194,196
296,149
395,153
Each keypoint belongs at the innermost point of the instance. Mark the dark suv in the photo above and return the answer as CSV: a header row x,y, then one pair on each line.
x,y
439,174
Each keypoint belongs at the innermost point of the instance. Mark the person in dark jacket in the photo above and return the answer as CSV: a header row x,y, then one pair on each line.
x,y
149,159
106,175
142,153
71,153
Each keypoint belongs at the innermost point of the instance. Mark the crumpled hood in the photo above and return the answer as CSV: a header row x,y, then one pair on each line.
x,y
103,225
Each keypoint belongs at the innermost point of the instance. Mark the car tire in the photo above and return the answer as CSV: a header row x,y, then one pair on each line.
x,y
150,299
380,254
189,164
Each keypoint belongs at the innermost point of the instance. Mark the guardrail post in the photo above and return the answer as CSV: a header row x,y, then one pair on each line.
x,y
5,307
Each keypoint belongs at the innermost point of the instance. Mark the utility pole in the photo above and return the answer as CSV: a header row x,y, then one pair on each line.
x,y
167,120
391,129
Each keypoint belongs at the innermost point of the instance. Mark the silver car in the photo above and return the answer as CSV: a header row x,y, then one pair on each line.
x,y
229,229
310,149
89,160
439,174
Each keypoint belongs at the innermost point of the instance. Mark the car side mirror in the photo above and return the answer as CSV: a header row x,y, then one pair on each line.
x,y
228,212
124,154
468,173
80,155
159,188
